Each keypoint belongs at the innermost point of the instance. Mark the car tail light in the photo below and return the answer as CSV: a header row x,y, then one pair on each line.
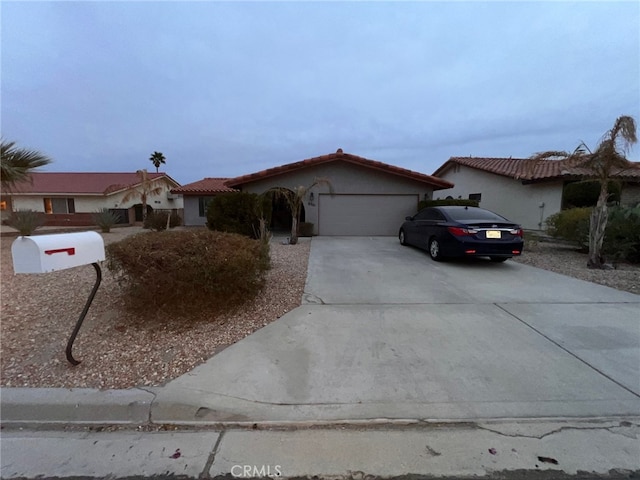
x,y
461,232
517,232
470,251
515,252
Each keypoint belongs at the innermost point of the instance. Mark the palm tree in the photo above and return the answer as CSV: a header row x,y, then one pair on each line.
x,y
606,161
294,199
143,191
157,158
17,163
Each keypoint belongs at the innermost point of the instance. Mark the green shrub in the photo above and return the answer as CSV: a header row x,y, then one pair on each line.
x,y
452,201
622,236
188,271
586,193
157,221
26,221
571,225
239,213
105,219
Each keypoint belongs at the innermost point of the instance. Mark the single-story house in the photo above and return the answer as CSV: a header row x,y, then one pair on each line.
x,y
71,199
196,195
524,190
369,197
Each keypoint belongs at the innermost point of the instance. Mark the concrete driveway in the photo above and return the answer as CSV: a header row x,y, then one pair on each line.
x,y
385,332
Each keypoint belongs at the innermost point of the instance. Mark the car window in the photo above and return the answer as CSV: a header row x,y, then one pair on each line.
x,y
439,216
422,214
429,214
473,214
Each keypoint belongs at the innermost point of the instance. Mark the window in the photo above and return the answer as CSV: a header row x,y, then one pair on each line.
x,y
473,213
429,214
203,203
59,205
421,215
475,196
3,205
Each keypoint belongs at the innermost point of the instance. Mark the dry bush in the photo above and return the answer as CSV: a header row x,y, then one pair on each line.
x,y
188,271
157,221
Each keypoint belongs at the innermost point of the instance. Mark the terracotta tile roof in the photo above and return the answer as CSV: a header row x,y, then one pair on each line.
x,y
85,183
526,169
204,187
437,183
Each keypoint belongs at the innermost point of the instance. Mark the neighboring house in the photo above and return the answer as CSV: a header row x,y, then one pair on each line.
x,y
370,197
197,195
71,198
523,190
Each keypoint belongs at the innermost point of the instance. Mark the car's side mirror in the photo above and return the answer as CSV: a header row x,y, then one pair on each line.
x,y
408,218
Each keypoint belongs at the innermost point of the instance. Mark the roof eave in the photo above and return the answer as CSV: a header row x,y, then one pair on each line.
x,y
444,167
42,194
435,183
202,192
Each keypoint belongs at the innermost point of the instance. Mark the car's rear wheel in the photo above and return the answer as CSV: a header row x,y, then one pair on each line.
x,y
402,237
434,249
499,259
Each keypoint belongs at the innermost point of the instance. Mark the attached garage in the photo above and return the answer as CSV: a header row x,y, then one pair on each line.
x,y
367,215
357,196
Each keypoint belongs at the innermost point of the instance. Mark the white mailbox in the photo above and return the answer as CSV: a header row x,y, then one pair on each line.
x,y
47,253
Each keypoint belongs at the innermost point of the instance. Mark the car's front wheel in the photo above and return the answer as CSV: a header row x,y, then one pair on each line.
x,y
403,238
434,249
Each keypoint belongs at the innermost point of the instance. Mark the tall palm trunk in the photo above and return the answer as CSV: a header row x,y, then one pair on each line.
x,y
144,208
295,219
599,217
294,231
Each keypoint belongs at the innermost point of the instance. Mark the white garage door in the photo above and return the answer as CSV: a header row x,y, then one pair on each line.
x,y
364,214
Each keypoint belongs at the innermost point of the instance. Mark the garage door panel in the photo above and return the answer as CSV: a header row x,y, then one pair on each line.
x,y
364,214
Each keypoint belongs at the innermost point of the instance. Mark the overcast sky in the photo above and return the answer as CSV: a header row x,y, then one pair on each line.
x,y
225,89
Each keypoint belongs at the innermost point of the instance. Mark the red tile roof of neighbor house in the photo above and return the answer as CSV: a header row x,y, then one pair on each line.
x,y
437,183
87,183
529,170
205,186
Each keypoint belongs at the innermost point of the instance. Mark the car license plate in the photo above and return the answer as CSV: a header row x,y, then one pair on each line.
x,y
494,234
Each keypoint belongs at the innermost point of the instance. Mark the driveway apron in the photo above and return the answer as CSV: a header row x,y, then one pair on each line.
x,y
385,332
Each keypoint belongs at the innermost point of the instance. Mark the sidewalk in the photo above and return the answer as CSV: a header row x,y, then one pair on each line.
x,y
540,450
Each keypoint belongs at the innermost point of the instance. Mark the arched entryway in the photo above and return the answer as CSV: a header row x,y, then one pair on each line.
x,y
137,210
281,215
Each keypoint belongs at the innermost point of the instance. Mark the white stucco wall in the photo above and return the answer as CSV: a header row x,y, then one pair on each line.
x,y
345,178
191,211
505,196
630,194
28,203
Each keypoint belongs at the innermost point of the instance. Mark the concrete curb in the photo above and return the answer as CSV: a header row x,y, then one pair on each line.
x,y
42,406
78,407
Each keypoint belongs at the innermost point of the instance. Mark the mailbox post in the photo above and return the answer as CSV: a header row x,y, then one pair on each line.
x,y
48,253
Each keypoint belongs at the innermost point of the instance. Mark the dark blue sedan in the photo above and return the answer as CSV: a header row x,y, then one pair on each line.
x,y
458,231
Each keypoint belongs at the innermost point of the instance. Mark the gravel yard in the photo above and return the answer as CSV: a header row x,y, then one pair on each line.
x,y
118,350
565,259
